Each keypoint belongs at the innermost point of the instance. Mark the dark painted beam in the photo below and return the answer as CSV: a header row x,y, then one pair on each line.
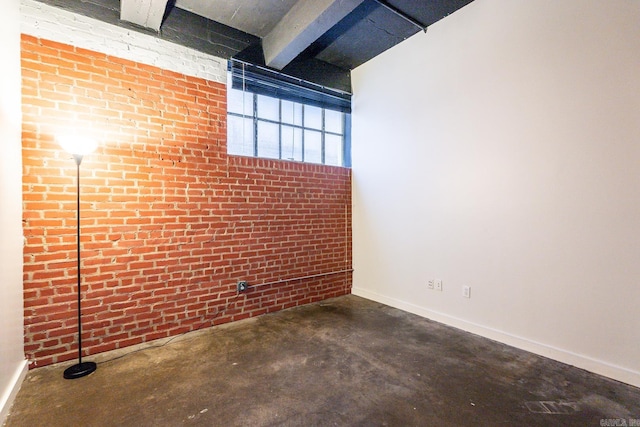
x,y
369,30
428,12
372,29
302,25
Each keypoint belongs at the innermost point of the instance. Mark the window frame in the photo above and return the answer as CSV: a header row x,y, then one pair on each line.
x,y
256,119
251,82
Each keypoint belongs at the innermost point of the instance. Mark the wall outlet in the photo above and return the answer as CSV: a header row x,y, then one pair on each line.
x,y
430,284
242,286
438,285
466,291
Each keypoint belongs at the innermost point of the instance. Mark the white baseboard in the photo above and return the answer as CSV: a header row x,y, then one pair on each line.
x,y
10,392
584,362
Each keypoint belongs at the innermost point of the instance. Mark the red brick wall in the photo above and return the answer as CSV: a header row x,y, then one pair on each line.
x,y
169,222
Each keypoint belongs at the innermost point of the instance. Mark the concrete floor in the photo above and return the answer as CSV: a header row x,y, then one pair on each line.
x,y
345,361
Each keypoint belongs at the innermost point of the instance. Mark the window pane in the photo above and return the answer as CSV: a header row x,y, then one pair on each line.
x,y
235,102
268,108
333,150
291,113
312,117
312,146
268,140
238,142
291,143
264,126
333,121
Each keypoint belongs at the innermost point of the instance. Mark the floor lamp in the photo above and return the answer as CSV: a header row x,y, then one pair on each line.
x,y
78,147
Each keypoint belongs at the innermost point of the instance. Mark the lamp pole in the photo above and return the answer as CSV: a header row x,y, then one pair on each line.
x,y
81,368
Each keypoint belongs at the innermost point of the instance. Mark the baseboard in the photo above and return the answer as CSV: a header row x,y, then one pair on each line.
x,y
12,389
584,362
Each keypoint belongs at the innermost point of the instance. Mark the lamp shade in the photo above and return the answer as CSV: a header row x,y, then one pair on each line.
x,y
78,145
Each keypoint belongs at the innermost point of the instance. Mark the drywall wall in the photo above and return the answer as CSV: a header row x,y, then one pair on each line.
x,y
12,361
501,151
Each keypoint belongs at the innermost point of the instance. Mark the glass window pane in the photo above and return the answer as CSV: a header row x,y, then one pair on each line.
x,y
236,103
291,143
264,126
291,113
312,146
312,117
239,140
268,140
268,108
333,121
333,150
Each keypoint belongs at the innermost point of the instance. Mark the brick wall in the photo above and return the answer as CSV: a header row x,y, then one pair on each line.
x,y
169,222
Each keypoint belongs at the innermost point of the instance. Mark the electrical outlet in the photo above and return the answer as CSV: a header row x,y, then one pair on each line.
x,y
438,285
430,284
466,291
242,286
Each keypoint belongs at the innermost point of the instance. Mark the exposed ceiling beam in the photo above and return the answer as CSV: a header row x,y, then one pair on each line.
x,y
145,13
302,25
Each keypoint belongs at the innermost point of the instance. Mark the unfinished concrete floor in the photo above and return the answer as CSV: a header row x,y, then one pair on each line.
x,y
345,361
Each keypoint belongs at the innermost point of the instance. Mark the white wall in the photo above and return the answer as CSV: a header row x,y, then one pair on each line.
x,y
12,362
501,150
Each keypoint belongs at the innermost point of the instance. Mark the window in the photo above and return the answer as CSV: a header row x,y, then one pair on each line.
x,y
267,124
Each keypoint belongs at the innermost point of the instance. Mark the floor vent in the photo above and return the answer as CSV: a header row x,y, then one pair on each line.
x,y
549,407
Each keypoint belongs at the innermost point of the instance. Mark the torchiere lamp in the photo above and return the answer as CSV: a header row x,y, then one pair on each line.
x,y
78,147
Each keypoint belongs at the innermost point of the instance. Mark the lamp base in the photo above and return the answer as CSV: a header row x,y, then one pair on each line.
x,y
79,370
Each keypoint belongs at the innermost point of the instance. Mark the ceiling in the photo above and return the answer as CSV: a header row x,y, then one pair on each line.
x,y
251,16
317,40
